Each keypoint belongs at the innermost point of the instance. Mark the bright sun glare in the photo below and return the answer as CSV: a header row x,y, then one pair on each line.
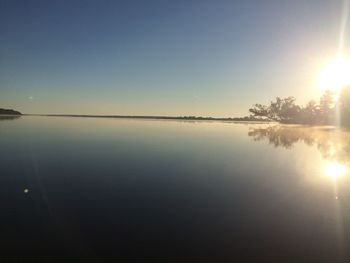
x,y
334,169
335,75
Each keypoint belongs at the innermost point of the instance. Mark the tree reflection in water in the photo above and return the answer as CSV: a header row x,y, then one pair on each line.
x,y
9,117
333,143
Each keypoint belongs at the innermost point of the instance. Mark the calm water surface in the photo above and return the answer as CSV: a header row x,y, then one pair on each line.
x,y
174,191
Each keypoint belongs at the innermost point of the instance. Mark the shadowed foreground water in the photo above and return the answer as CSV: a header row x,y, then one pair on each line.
x,y
172,191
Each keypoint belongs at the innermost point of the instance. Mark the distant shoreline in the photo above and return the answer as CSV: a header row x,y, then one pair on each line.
x,y
11,112
191,118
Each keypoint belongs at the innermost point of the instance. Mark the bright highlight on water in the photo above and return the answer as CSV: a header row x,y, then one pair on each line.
x,y
334,169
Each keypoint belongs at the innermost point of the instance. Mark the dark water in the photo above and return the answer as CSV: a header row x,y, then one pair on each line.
x,y
171,191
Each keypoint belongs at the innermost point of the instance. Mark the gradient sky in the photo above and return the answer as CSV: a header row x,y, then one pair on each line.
x,y
207,58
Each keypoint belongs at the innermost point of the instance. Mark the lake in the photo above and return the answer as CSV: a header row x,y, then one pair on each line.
x,y
172,191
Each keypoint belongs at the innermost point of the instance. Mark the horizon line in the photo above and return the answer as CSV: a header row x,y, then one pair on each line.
x,y
148,117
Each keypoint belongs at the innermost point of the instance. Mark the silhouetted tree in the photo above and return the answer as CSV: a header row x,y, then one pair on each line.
x,y
286,111
344,105
327,108
282,110
309,113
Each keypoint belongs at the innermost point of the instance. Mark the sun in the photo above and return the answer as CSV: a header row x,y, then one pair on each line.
x,y
335,75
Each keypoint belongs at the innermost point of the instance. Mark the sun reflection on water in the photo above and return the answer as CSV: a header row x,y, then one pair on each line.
x,y
331,143
334,169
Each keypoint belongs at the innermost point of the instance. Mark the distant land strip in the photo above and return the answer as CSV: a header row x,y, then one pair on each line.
x,y
11,112
250,118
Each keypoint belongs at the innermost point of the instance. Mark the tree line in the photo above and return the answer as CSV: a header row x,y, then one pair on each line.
x,y
330,110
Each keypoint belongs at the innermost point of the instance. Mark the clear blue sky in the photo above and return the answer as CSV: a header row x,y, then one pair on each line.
x,y
208,58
